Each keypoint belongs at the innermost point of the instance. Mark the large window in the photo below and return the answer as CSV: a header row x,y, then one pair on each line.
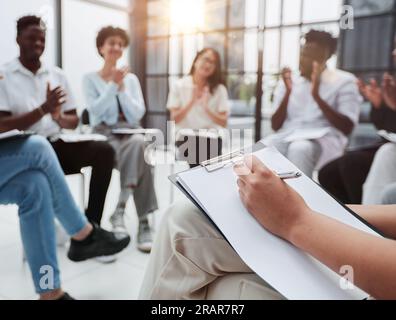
x,y
240,30
10,11
81,21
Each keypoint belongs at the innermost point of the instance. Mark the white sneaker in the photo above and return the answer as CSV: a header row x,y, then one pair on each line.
x,y
106,259
144,237
118,223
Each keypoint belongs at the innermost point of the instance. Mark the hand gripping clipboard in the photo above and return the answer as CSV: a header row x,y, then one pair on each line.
x,y
313,273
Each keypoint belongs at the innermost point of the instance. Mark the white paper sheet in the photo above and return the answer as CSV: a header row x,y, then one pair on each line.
x,y
10,134
391,137
127,131
75,137
307,134
293,273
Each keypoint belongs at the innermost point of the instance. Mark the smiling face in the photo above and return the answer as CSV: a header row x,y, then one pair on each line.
x,y
113,48
205,66
310,53
31,42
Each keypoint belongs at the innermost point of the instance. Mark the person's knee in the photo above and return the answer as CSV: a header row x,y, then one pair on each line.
x,y
303,150
34,189
40,146
106,154
389,195
386,151
186,221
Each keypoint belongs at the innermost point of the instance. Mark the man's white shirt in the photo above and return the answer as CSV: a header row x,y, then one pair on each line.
x,y
21,91
339,90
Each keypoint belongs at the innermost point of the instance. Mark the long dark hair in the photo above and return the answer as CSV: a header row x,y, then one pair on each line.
x,y
217,77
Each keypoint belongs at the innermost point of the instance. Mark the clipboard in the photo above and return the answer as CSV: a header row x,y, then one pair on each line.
x,y
214,165
15,135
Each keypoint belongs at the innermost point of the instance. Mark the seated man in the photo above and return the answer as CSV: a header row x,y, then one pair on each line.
x,y
345,176
36,97
321,100
191,260
31,177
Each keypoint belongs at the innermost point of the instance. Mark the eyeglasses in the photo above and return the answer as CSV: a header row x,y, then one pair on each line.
x,y
208,61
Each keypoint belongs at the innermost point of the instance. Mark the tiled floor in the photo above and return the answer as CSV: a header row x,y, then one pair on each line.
x,y
87,280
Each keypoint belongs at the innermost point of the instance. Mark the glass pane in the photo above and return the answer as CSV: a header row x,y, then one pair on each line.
x,y
365,50
271,51
367,7
186,16
291,11
273,10
175,55
157,93
157,8
157,55
81,23
242,53
269,85
215,14
290,55
242,93
157,27
190,49
121,3
10,12
217,42
244,13
315,10
157,122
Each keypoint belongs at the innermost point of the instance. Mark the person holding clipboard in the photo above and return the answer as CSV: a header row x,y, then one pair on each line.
x,y
200,101
192,260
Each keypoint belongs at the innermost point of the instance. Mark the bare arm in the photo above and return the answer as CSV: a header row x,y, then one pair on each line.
x,y
68,120
279,117
269,200
55,98
336,245
338,120
21,122
381,217
179,114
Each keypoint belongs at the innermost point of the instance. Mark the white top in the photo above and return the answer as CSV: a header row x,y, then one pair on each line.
x,y
102,96
180,96
339,90
21,91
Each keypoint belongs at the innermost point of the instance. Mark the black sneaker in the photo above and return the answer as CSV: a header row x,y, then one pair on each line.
x,y
99,243
66,297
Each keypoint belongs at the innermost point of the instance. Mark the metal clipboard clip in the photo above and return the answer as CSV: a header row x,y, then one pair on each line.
x,y
223,161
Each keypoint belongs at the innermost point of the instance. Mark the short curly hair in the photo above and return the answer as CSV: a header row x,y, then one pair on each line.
x,y
108,32
324,39
25,22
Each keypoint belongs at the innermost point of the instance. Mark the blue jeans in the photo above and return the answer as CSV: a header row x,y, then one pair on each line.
x,y
31,177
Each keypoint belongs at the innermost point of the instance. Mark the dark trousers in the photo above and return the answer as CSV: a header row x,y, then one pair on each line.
x,y
97,155
196,150
344,178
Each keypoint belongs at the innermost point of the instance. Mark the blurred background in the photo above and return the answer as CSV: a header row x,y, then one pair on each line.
x,y
256,38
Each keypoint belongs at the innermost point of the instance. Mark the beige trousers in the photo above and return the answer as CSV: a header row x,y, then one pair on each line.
x,y
191,260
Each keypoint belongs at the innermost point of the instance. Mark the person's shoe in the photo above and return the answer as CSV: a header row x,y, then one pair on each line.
x,y
106,259
65,297
99,243
144,237
117,221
